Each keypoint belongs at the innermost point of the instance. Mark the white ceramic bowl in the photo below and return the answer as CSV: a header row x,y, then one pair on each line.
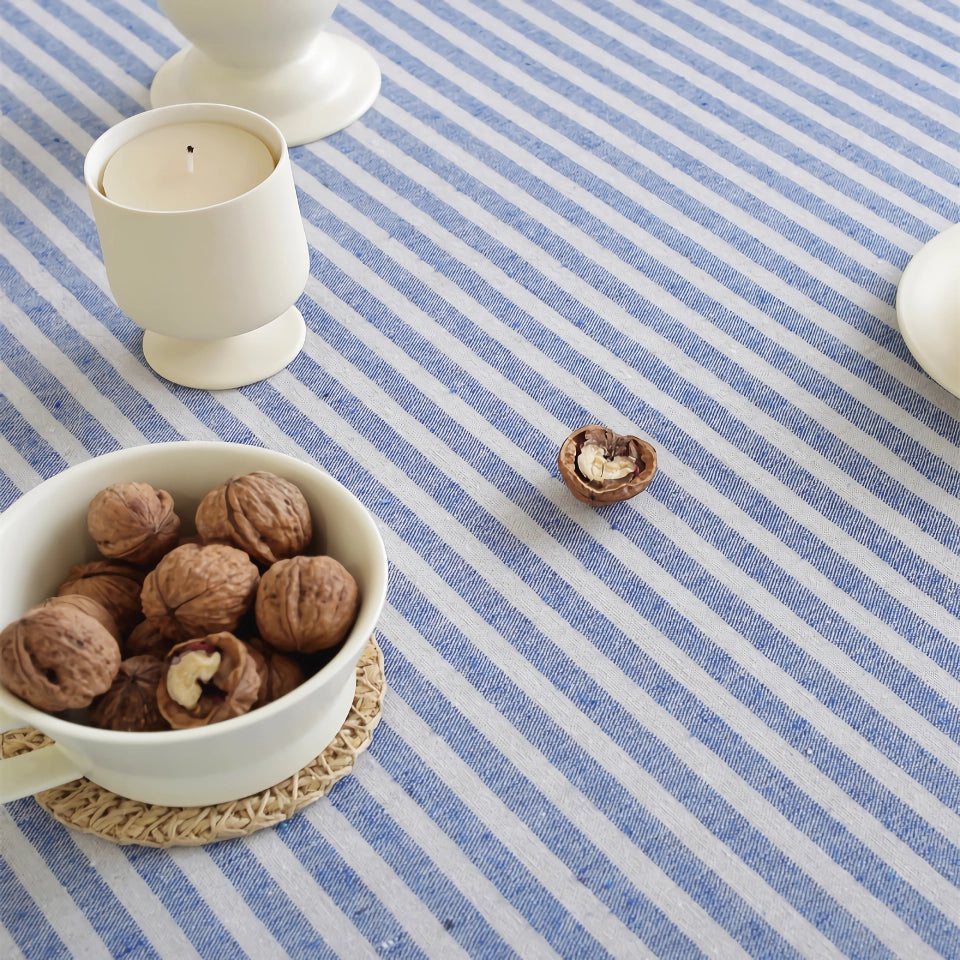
x,y
44,533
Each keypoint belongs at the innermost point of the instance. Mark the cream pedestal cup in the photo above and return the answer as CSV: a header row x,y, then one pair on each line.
x,y
270,56
46,531
928,308
213,287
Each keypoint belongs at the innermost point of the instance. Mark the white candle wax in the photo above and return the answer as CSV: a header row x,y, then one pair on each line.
x,y
184,166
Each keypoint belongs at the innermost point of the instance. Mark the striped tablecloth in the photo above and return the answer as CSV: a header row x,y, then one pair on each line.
x,y
719,719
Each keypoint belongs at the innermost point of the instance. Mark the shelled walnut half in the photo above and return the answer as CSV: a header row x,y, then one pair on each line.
x,y
600,466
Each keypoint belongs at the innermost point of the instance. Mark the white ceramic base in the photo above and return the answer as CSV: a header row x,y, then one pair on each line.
x,y
274,763
308,99
928,308
231,362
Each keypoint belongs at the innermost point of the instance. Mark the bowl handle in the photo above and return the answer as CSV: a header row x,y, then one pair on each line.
x,y
37,770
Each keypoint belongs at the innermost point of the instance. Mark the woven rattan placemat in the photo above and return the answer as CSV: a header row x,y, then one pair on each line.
x,y
89,808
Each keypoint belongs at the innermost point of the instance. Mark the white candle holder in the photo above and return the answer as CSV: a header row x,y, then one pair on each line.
x,y
928,308
214,287
272,57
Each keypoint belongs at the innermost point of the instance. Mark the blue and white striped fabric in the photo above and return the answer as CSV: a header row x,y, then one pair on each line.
x,y
720,719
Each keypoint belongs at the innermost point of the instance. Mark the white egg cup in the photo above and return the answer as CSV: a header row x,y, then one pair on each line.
x,y
271,56
928,308
213,287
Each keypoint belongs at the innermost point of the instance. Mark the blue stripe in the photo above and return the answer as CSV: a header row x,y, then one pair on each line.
x,y
9,491
866,51
738,81
536,646
914,17
788,655
137,26
678,119
882,95
38,380
131,64
16,112
30,444
801,481
79,222
637,826
76,348
713,659
80,879
68,59
622,294
345,888
433,888
292,931
486,851
909,16
51,91
25,923
757,852
174,892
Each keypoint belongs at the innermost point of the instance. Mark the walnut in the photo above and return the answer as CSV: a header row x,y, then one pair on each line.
x,y
279,673
57,657
198,589
131,702
207,680
600,466
133,522
114,584
146,639
260,513
306,603
89,606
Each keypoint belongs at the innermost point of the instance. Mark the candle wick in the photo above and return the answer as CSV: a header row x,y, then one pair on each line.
x,y
189,159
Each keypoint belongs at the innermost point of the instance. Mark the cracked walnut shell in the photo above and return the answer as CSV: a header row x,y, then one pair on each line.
x,y
261,513
600,466
133,521
306,604
57,657
207,680
198,589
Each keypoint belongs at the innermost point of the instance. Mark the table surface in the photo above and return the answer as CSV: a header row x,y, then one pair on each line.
x,y
721,718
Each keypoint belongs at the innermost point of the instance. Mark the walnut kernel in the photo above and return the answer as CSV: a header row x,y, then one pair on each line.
x,y
221,667
600,466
